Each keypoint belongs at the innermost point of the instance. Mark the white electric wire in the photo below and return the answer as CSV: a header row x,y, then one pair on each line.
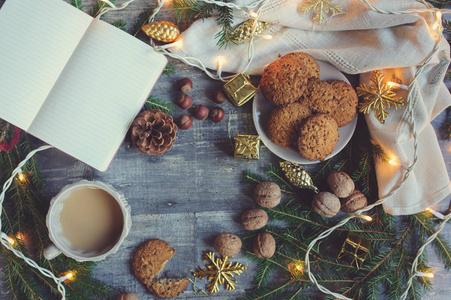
x,y
5,239
197,63
327,232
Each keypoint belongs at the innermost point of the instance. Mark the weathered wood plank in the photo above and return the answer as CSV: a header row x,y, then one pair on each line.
x,y
190,194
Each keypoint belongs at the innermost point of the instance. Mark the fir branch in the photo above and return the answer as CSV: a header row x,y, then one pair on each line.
x,y
249,177
225,19
278,178
77,3
380,262
121,24
156,103
98,6
189,10
169,69
442,247
143,19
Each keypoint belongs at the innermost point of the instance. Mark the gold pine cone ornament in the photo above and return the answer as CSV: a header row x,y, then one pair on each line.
x,y
243,32
162,31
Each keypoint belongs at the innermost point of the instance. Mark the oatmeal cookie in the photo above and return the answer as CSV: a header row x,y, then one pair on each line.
x,y
283,81
283,122
311,66
319,96
347,100
318,136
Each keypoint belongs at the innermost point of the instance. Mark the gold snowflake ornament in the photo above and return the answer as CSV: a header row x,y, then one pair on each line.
x,y
219,272
378,97
321,8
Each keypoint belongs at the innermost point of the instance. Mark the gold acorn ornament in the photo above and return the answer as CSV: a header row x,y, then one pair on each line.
x,y
163,31
243,32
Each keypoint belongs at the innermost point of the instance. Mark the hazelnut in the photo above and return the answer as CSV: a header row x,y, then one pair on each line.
x,y
186,85
340,184
254,219
353,203
227,244
217,114
219,97
185,122
264,245
201,112
185,101
326,204
127,296
267,194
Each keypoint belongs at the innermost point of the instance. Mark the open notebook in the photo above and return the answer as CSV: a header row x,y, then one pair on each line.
x,y
73,81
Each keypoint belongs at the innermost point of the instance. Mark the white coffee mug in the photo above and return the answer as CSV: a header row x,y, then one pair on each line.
x,y
60,242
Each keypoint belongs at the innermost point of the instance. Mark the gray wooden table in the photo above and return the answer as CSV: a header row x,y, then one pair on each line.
x,y
193,192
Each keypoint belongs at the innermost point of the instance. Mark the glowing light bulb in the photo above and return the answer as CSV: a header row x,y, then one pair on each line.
x,y
220,61
252,14
366,218
435,213
21,177
397,85
178,44
393,162
438,20
425,274
296,268
265,36
8,239
68,276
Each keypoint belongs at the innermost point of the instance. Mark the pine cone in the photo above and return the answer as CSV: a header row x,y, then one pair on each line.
x,y
154,132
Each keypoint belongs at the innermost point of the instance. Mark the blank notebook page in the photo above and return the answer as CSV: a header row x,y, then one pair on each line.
x,y
98,94
37,40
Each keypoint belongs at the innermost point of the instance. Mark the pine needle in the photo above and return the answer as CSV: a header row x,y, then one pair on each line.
x,y
143,18
190,10
77,3
169,69
156,103
121,24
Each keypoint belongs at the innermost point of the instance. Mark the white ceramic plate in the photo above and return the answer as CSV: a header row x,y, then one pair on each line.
x,y
261,109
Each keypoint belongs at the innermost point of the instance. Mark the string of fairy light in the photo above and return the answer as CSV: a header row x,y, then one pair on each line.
x,y
254,10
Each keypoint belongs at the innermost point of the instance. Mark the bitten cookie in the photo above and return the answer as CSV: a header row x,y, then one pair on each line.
x,y
283,122
150,259
283,81
311,66
165,288
347,100
319,96
317,137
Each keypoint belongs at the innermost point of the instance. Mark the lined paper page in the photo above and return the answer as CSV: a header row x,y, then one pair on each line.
x,y
37,40
98,94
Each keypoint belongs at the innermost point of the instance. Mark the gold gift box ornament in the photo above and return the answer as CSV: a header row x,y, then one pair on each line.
x,y
239,89
247,146
355,250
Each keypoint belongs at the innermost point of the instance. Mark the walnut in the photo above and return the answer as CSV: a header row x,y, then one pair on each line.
x,y
353,203
264,245
326,204
267,194
340,184
127,296
227,244
254,219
